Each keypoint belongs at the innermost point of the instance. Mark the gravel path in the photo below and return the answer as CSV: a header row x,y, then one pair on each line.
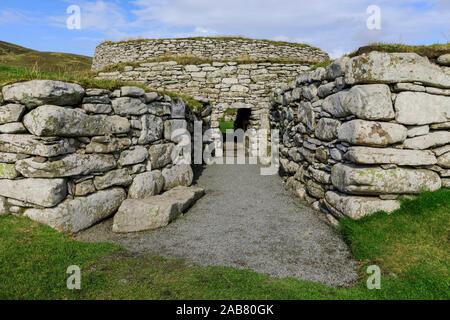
x,y
246,221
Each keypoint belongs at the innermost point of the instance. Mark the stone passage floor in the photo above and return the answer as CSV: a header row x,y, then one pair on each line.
x,y
246,221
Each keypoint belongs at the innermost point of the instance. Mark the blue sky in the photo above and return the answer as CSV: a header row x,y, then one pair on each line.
x,y
337,26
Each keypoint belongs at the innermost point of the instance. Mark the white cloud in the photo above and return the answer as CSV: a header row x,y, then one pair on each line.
x,y
10,16
335,26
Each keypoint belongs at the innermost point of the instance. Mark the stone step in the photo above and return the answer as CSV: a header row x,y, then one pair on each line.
x,y
155,212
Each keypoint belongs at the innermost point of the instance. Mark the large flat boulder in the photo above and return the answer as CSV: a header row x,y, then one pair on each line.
x,y
154,212
377,181
31,145
380,67
356,207
80,213
372,133
418,108
49,121
431,140
178,175
39,92
402,157
146,184
71,165
41,192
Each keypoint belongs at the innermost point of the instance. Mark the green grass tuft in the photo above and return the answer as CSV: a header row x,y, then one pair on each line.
x,y
322,64
432,52
226,125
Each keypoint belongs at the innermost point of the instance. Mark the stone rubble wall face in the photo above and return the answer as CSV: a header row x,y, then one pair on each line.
x,y
141,50
357,135
69,156
224,84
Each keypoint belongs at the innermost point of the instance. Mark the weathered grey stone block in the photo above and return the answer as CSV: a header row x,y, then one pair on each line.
x,y
154,212
379,67
49,121
71,165
11,113
31,145
374,181
370,102
152,129
119,177
417,108
134,156
402,157
327,129
77,214
357,207
39,92
434,139
171,127
371,133
146,184
178,175
42,192
129,106
161,155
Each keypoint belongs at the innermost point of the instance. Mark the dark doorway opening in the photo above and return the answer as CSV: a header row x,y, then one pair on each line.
x,y
242,119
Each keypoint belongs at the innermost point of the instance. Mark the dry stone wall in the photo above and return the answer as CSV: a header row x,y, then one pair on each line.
x,y
225,85
70,156
364,131
109,53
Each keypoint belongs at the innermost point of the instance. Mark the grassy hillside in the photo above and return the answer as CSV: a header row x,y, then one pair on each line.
x,y
15,56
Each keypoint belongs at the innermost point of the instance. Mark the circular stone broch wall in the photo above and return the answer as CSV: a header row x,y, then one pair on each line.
x,y
110,53
231,73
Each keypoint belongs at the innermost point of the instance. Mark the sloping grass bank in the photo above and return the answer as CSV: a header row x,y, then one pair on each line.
x,y
16,56
411,246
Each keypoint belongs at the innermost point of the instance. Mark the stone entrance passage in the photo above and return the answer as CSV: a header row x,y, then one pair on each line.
x,y
242,119
245,221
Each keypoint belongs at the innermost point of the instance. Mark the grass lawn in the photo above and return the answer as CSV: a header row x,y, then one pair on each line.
x,y
411,246
226,125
